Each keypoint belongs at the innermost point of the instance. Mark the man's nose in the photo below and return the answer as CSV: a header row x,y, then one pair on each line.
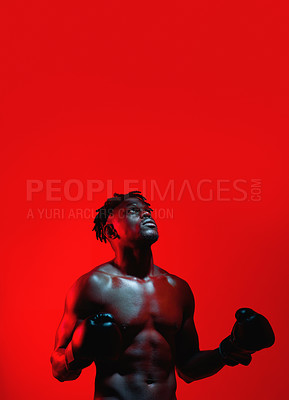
x,y
145,213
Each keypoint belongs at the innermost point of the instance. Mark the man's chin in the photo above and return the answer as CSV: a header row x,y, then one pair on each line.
x,y
149,237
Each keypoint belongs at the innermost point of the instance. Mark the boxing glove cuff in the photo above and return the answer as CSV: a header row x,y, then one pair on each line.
x,y
232,355
225,356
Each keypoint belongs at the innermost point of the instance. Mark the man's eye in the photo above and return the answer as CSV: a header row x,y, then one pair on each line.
x,y
134,209
137,210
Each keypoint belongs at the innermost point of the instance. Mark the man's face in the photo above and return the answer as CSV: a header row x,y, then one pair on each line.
x,y
134,224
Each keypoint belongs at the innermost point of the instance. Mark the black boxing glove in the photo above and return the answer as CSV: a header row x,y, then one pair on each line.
x,y
95,338
251,332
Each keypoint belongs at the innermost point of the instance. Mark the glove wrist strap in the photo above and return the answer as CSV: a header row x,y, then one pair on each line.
x,y
227,358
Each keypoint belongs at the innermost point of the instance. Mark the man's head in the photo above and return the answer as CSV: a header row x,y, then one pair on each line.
x,y
125,220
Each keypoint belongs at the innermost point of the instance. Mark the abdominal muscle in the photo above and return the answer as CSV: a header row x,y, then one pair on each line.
x,y
145,371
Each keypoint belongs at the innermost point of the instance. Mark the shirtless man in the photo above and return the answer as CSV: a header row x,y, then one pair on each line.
x,y
135,321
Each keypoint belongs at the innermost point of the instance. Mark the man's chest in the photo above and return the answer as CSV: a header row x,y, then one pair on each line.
x,y
156,302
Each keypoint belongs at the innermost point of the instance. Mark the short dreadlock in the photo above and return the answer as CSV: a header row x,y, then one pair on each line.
x,y
107,209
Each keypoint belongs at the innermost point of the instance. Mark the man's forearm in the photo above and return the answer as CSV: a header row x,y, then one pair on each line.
x,y
201,365
60,368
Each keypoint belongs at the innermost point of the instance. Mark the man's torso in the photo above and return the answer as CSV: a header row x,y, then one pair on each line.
x,y
150,313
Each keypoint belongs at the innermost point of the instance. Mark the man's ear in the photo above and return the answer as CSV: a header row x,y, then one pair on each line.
x,y
110,232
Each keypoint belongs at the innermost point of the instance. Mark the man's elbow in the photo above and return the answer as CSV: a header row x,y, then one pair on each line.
x,y
58,376
65,375
60,371
184,377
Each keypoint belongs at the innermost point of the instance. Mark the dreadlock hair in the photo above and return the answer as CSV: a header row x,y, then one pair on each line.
x,y
107,209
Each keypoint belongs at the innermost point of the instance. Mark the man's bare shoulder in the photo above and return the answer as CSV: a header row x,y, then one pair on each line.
x,y
88,289
177,279
95,279
182,286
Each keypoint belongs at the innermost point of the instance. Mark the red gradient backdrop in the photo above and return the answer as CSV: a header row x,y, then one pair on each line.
x,y
152,92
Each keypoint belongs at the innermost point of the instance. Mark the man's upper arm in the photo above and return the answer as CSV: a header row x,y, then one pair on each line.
x,y
63,337
68,322
78,306
66,327
187,341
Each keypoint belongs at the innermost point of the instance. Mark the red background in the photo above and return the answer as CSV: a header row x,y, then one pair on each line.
x,y
145,91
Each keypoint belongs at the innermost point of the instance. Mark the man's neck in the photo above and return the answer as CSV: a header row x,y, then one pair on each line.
x,y
136,262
